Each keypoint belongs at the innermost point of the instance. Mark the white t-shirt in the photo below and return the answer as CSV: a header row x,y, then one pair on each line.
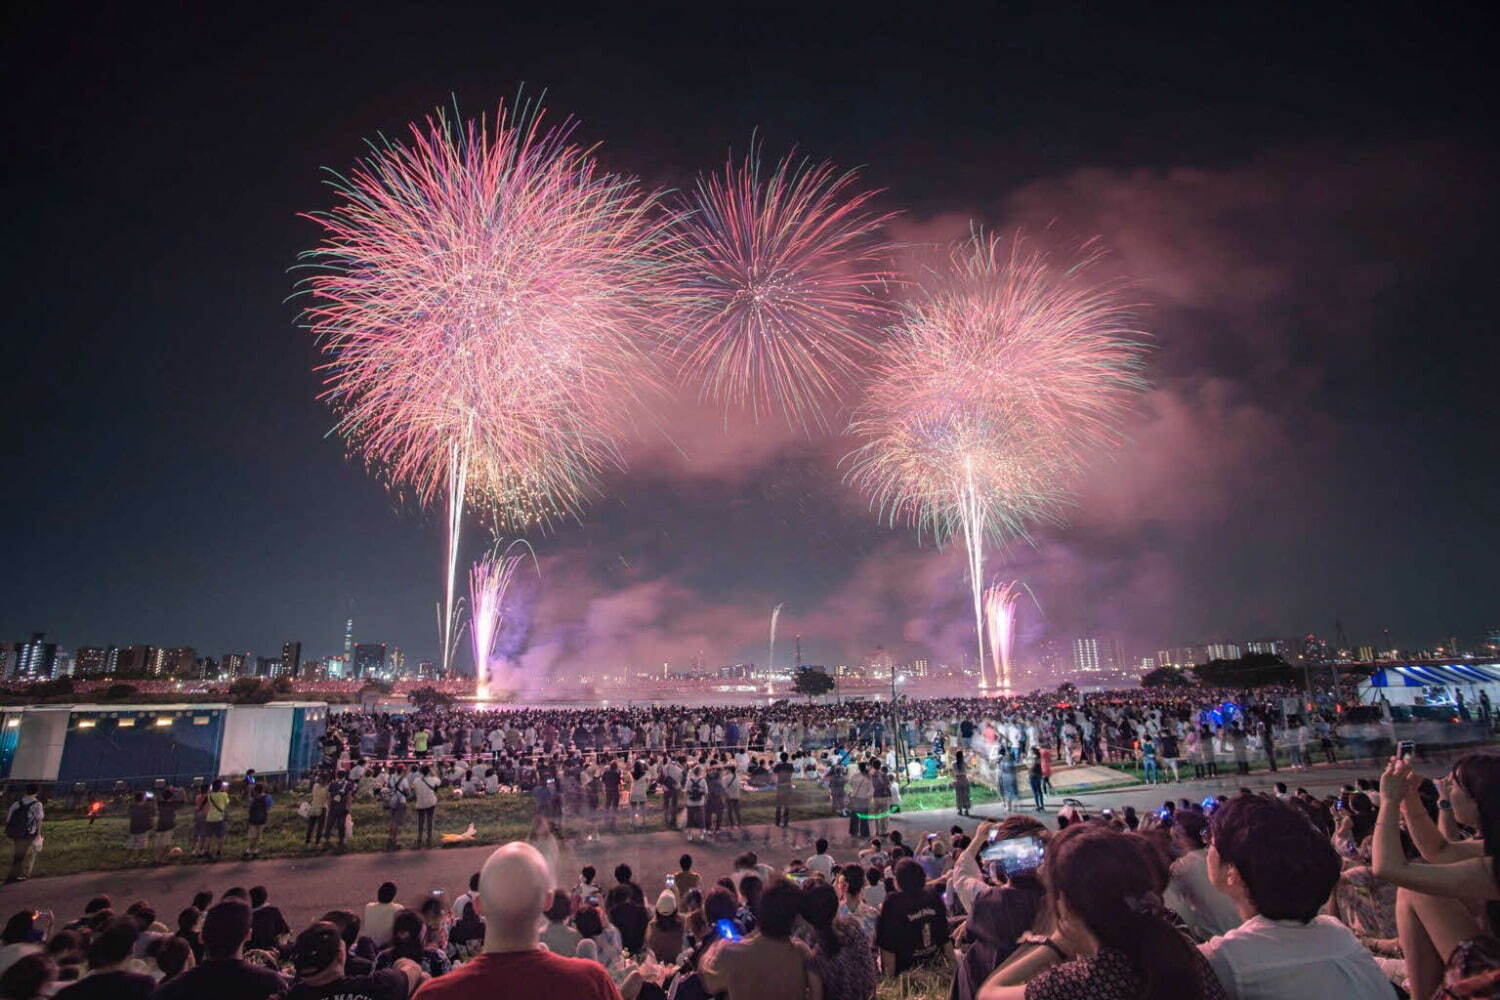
x,y
821,863
377,922
1266,959
425,789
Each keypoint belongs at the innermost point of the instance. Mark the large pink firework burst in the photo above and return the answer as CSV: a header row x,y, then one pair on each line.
x,y
1007,372
780,279
484,294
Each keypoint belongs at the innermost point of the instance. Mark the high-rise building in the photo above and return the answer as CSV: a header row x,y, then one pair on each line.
x,y
235,664
173,661
1086,655
397,661
1222,651
1367,654
93,661
135,659
369,658
33,660
349,640
291,658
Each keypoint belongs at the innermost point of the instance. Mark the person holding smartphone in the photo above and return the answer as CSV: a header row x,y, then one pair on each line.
x,y
1001,906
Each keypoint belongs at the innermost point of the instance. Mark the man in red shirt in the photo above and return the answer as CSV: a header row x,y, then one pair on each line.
x,y
514,887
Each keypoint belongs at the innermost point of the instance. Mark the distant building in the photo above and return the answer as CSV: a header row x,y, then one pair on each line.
x,y
33,660
134,659
1086,655
269,666
921,667
291,658
234,664
174,661
369,658
349,641
1367,654
398,661
426,668
1222,651
95,661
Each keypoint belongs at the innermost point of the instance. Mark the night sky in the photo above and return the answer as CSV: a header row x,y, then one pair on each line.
x,y
1306,202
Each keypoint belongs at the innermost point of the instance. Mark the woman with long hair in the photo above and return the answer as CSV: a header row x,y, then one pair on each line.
x,y
1111,938
1439,917
961,790
842,957
409,940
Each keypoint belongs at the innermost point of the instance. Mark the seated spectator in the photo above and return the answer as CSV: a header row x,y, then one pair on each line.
x,y
67,950
514,885
913,926
318,957
172,956
767,964
1204,909
630,917
23,935
359,953
664,937
1001,907
559,937
380,915
111,973
188,922
1436,901
409,941
842,958
592,925
28,978
224,973
821,862
875,888
851,887
1280,871
685,880
1111,938
269,930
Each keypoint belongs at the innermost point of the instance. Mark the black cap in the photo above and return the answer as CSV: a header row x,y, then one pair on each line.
x,y
317,948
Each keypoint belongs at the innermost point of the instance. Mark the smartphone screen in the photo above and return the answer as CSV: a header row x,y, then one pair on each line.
x,y
727,930
1015,856
1406,749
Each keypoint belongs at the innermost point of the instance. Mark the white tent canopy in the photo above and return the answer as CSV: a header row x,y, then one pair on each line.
x,y
1412,684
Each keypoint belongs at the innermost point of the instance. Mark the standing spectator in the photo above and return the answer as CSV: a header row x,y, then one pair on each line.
x,y
1037,777
224,974
23,825
962,798
142,820
111,976
167,804
257,815
1280,870
320,958
424,788
381,915
913,926
880,797
697,795
860,790
216,818
269,930
513,887
783,772
317,813
340,792
393,798
842,956
769,963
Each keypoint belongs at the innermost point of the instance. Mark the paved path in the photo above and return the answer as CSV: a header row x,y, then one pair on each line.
x,y
305,888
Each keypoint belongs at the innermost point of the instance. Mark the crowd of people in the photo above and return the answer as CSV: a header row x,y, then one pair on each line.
x,y
1389,885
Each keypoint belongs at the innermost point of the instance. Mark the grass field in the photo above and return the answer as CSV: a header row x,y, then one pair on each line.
x,y
74,844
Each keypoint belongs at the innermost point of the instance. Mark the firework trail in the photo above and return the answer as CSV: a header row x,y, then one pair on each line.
x,y
489,580
1001,602
1006,373
771,654
777,273
482,294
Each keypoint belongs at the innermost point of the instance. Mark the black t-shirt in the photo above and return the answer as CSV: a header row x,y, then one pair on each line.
x,y
111,986
1000,916
387,984
267,925
631,918
913,927
222,979
783,772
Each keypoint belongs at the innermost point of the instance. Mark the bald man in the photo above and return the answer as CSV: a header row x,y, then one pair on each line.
x,y
515,886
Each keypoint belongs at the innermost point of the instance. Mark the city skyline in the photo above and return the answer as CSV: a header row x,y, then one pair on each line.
x,y
1306,234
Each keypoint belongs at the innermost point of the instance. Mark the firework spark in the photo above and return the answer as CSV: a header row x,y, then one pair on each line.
x,y
482,294
771,653
1006,374
489,579
779,271
1001,601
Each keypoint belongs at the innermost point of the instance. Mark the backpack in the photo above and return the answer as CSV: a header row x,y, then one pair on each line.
x,y
259,811
21,823
882,785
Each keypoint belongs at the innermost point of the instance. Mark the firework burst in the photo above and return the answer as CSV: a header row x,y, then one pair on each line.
x,y
482,294
489,580
778,278
1001,601
1007,372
